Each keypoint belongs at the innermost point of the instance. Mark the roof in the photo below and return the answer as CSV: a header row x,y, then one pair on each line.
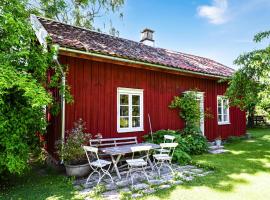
x,y
90,41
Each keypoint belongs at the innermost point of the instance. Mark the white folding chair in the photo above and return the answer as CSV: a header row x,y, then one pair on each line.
x,y
138,164
96,164
165,159
167,138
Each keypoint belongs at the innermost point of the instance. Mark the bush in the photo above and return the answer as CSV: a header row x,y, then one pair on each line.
x,y
188,144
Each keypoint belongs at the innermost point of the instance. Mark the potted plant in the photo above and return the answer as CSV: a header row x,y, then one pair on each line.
x,y
218,141
71,150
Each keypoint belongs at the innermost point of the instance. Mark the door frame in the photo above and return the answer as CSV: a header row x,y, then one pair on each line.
x,y
200,97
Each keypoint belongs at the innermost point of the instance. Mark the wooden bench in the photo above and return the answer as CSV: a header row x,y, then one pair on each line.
x,y
259,119
113,142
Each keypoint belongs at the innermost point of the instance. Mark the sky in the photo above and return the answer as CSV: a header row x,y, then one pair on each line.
x,y
216,29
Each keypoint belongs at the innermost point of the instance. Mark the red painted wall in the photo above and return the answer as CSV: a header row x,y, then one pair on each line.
x,y
94,88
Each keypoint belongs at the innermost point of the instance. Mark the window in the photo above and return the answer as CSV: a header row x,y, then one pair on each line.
x,y
129,110
223,110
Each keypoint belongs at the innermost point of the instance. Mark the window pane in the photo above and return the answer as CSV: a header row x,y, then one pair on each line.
x,y
225,117
123,110
124,122
219,102
225,111
219,110
135,121
225,103
136,111
220,118
135,100
123,99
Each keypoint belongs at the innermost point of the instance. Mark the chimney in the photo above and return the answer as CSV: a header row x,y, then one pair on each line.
x,y
147,37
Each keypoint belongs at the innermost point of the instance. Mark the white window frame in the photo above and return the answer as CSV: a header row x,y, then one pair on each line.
x,y
130,92
222,122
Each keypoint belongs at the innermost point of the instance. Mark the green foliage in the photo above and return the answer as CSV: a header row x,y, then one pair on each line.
x,y
188,144
23,68
250,85
71,150
81,13
189,108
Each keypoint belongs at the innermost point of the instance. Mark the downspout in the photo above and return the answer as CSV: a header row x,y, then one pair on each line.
x,y
63,102
42,36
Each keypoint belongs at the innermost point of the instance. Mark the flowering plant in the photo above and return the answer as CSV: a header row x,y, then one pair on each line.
x,y
71,149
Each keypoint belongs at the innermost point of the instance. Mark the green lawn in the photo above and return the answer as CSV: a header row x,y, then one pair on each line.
x,y
243,173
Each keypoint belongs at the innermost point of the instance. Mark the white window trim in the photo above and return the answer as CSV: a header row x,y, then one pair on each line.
x,y
222,115
129,91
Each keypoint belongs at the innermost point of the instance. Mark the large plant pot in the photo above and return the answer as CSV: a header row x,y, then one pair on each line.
x,y
78,170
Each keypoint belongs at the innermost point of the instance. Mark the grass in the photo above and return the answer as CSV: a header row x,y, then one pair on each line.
x,y
242,173
38,184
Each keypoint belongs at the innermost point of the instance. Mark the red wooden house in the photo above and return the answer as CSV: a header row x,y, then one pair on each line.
x,y
116,83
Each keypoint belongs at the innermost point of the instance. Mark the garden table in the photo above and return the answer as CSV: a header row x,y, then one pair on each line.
x,y
117,152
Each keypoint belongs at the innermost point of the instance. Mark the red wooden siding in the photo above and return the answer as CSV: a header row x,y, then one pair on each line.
x,y
94,88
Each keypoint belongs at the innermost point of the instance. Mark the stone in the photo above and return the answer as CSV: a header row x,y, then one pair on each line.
x,y
215,147
200,175
197,171
90,185
85,191
156,182
112,195
218,151
149,191
136,195
167,177
164,187
140,186
111,186
177,182
190,178
123,183
125,190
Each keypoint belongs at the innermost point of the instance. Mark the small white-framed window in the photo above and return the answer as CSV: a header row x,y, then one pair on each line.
x,y
129,110
223,110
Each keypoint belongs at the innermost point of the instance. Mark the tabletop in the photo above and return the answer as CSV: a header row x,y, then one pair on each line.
x,y
124,149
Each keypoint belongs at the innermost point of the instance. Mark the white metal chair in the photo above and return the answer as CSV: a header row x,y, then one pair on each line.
x,y
136,164
165,159
96,164
167,138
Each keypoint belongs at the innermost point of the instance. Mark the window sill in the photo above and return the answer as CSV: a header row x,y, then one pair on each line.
x,y
129,130
224,123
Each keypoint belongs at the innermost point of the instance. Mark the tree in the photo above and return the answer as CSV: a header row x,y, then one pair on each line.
x,y
81,13
250,85
23,97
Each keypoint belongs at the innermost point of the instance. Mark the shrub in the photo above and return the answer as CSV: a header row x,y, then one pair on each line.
x,y
71,150
188,144
189,109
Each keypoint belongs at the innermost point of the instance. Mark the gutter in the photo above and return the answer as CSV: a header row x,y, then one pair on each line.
x,y
99,55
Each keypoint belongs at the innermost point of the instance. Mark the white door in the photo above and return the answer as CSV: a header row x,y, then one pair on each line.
x,y
200,98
